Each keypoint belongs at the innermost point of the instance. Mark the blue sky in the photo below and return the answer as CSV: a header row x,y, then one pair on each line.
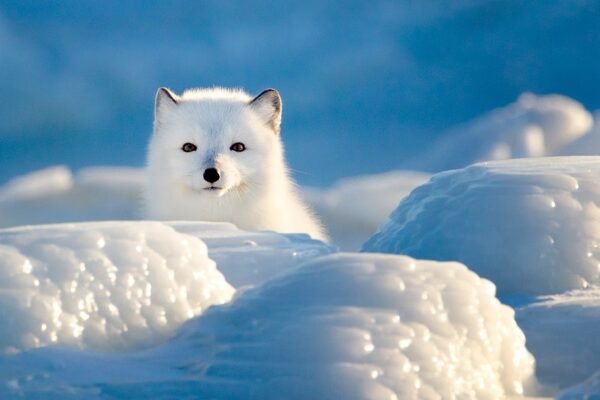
x,y
365,85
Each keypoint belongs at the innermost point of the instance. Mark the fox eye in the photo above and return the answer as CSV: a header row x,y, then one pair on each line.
x,y
189,147
239,147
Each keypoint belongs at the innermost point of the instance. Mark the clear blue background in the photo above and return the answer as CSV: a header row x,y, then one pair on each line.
x,y
366,85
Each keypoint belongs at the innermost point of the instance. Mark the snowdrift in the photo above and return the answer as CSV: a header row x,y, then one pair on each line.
x,y
353,208
533,126
103,286
532,226
418,330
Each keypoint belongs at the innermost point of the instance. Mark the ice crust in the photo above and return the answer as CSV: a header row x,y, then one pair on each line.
x,y
108,286
343,326
533,126
532,226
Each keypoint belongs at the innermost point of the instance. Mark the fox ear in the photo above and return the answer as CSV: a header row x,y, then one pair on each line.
x,y
165,99
268,106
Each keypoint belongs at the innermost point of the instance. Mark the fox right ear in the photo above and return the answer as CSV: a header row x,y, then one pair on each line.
x,y
165,99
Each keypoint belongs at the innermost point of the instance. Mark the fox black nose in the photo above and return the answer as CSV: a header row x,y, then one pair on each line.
x,y
211,175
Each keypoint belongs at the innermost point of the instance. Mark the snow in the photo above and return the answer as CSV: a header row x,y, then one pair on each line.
x,y
251,258
55,194
532,226
533,126
109,286
418,330
588,390
353,208
562,333
588,144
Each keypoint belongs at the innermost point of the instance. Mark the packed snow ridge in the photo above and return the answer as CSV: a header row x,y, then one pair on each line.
x,y
103,286
533,126
532,226
343,326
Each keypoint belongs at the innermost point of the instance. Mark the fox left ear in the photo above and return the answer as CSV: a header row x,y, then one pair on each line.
x,y
164,99
268,105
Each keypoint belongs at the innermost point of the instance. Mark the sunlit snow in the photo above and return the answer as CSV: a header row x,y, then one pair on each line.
x,y
351,326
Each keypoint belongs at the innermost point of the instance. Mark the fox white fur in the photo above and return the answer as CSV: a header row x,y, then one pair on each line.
x,y
254,190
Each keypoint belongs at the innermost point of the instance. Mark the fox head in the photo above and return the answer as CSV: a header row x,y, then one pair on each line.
x,y
215,142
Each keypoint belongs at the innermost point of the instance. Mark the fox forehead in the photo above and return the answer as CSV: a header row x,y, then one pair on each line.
x,y
214,117
217,114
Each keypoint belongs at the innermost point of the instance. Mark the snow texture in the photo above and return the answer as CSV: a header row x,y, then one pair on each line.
x,y
418,330
532,226
103,286
533,126
353,208
562,333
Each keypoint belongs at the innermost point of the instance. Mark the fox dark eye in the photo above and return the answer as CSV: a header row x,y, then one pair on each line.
x,y
189,147
239,147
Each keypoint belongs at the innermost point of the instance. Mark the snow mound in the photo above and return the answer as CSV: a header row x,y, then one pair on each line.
x,y
531,226
533,126
56,195
251,258
562,333
417,330
343,209
588,144
363,326
104,286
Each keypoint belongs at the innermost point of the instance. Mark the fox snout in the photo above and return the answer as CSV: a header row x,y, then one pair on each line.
x,y
211,175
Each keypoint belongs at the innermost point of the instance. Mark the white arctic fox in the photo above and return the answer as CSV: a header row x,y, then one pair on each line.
x,y
216,155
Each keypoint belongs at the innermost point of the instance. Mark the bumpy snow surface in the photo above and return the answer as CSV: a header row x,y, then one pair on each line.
x,y
533,126
344,326
531,226
103,286
368,327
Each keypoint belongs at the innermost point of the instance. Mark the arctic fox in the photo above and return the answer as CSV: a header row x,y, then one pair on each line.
x,y
216,155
